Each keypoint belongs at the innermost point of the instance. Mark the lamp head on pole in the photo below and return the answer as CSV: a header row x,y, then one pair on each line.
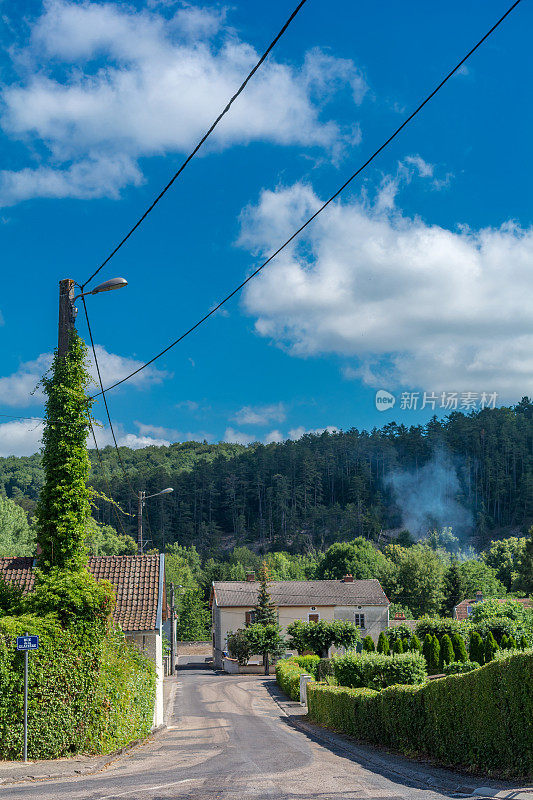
x,y
108,286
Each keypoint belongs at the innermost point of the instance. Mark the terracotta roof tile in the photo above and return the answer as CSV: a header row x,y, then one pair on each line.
x,y
461,609
135,580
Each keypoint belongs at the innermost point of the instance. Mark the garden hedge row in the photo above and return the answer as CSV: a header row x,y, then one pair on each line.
x,y
376,671
481,720
88,693
288,673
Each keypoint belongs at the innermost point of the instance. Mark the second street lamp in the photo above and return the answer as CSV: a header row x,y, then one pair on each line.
x,y
141,501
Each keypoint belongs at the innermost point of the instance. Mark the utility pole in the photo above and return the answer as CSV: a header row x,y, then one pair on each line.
x,y
172,630
67,316
140,522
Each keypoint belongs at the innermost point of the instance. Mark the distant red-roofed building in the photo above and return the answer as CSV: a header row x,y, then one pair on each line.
x,y
141,606
464,609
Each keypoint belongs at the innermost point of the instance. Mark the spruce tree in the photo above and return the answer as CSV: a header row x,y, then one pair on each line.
x,y
265,612
383,644
446,651
64,504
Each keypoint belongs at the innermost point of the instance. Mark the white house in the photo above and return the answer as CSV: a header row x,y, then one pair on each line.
x,y
362,602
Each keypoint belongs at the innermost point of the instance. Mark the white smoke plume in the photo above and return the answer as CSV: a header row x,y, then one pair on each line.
x,y
429,497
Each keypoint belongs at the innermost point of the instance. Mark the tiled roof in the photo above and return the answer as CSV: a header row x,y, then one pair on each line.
x,y
461,609
302,593
135,579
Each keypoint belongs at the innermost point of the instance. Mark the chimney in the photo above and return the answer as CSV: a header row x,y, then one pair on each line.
x,y
399,615
348,579
479,597
250,576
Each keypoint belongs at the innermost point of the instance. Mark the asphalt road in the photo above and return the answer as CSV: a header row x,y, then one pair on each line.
x,y
229,740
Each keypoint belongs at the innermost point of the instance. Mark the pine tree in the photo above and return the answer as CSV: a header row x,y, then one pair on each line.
x,y
459,647
383,644
265,612
491,646
368,644
446,651
476,648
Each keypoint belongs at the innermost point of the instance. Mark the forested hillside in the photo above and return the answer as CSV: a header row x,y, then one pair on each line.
x,y
472,472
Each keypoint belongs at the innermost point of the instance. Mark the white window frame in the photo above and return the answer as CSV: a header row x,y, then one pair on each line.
x,y
360,615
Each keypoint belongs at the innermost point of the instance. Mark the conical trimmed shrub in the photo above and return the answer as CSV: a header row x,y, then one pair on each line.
x,y
368,644
446,651
491,646
477,652
459,647
383,644
398,647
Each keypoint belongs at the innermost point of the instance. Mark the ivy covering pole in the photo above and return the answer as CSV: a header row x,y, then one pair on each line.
x,y
64,506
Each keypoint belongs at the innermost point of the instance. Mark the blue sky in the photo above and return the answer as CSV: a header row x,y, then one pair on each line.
x,y
417,280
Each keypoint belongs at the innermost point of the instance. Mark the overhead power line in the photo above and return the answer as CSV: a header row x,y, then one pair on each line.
x,y
97,365
206,135
322,207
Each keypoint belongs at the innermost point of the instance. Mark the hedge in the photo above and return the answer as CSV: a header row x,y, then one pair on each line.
x,y
376,670
309,664
87,693
480,720
288,673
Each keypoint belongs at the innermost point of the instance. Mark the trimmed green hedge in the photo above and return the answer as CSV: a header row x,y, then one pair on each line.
x,y
376,670
288,673
88,692
309,664
481,720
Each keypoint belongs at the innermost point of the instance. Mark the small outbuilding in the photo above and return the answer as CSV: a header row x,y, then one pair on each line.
x,y
140,609
362,602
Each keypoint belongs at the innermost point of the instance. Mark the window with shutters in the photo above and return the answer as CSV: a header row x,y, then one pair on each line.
x,y
359,620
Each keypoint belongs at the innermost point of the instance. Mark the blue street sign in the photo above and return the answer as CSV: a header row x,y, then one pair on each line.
x,y
27,642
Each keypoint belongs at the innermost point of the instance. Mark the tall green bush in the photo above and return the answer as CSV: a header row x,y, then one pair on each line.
x,y
397,647
480,720
375,670
368,644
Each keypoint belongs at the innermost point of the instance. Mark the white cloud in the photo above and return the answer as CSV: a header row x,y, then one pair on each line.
x,y
414,304
273,437
20,438
297,433
260,415
87,179
16,389
238,437
101,84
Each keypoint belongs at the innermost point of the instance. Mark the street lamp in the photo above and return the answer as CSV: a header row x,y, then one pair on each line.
x,y
141,500
67,310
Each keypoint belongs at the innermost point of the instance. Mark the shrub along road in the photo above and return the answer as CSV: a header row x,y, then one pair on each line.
x,y
228,739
